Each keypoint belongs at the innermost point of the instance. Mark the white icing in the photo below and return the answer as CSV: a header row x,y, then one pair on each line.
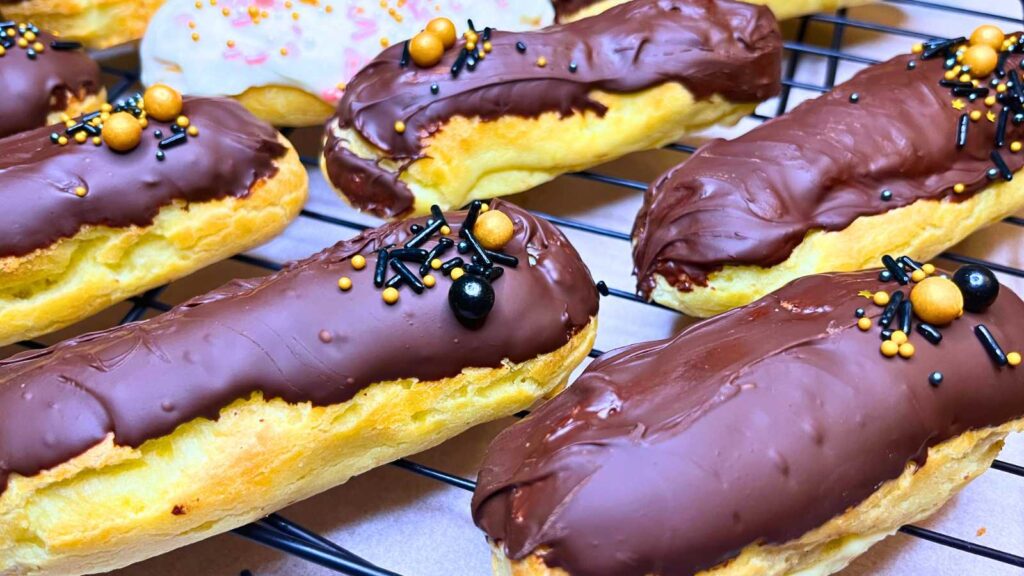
x,y
328,42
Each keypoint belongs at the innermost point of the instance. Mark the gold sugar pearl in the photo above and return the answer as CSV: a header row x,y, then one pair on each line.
x,y
144,122
30,36
1015,146
929,269
542,61
182,121
1013,358
959,188
162,102
429,281
990,101
400,127
193,131
864,324
3,51
359,261
426,49
63,140
457,273
195,36
906,350
917,48
880,298
890,348
964,78
899,337
436,263
982,59
96,140
80,191
1001,88
106,107
484,208
975,115
122,132
81,136
988,35
345,283
493,229
22,43
918,275
390,295
69,123
470,46
488,46
937,300
38,47
446,230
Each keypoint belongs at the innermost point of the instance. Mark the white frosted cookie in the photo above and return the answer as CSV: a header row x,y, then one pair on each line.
x,y
263,50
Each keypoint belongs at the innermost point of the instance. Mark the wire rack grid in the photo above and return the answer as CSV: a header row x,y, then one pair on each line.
x,y
289,537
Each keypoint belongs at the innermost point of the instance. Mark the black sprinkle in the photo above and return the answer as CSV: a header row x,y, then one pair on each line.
x,y
855,97
906,314
950,63
1004,115
935,378
961,130
909,262
859,313
407,276
502,258
416,228
394,282
1018,119
494,273
417,255
485,260
65,45
434,88
990,344
452,264
471,215
930,333
245,573
1004,170
886,195
487,33
886,334
970,90
404,60
172,141
885,276
602,288
424,234
470,23
31,54
476,269
460,61
1001,64
897,271
520,47
471,62
177,129
382,268
885,320
934,48
442,246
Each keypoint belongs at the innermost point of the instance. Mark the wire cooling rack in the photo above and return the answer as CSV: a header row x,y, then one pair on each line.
x,y
278,532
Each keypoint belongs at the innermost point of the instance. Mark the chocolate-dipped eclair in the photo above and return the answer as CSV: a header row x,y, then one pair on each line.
x,y
498,113
96,23
572,10
778,438
910,155
46,79
124,444
131,197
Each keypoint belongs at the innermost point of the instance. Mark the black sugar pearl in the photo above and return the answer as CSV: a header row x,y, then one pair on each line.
x,y
935,378
415,228
885,276
434,88
471,299
520,47
886,334
979,286
855,97
160,155
992,174
572,67
886,195
31,54
177,129
463,247
911,65
859,313
158,134
54,137
1018,118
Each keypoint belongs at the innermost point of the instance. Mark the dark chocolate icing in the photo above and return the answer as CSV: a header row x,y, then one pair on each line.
x,y
142,380
38,178
758,425
752,200
720,47
35,87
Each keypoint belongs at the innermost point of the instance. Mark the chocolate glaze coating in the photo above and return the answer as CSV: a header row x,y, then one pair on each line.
x,y
34,88
753,199
142,380
761,424
38,178
711,47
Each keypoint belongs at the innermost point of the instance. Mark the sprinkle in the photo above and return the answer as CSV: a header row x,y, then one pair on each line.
x,y
930,333
80,191
889,348
417,255
1013,359
502,258
542,61
572,67
446,230
400,127
424,234
935,379
961,130
435,254
897,271
891,308
404,60
969,90
929,268
992,173
909,262
886,334
918,275
475,207
911,65
1004,170
359,262
1015,147
898,336
382,268
390,295
906,350
520,47
990,101
864,324
429,281
959,188
485,259
885,276
880,298
457,273
990,116
855,97
193,131
886,195
906,314
407,276
975,115
435,264
602,288
495,273
345,283
434,88
172,141
988,341
62,140
450,265
460,61
65,45
395,281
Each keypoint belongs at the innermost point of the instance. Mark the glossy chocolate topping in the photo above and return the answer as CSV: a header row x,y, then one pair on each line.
x,y
38,178
758,425
293,335
752,200
35,87
720,47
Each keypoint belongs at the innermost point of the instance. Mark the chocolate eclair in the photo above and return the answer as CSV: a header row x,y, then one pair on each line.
x,y
46,79
96,23
124,444
421,124
910,155
778,438
130,197
572,10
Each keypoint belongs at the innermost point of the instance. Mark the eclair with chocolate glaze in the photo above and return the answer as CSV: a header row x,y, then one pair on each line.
x,y
95,23
775,439
908,156
572,10
498,113
120,445
119,201
46,79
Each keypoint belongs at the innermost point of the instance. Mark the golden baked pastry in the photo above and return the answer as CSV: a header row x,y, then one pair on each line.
x,y
267,391
779,438
899,159
84,226
572,10
95,23
503,112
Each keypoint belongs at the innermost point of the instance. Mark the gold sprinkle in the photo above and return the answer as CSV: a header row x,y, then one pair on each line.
x,y
345,283
1001,88
69,123
484,208
950,75
38,47
22,42
400,127
959,188
225,11
106,107
965,78
191,25
359,262
254,11
284,51
384,43
457,273
487,46
991,116
390,295
918,48
199,4
231,43
329,9
80,191
30,36
429,281
96,140
958,104
64,117
899,337
295,15
3,51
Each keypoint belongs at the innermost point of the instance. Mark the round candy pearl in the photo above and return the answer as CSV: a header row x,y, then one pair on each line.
x,y
122,132
493,229
978,285
988,35
982,59
426,49
471,298
937,300
444,30
162,102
